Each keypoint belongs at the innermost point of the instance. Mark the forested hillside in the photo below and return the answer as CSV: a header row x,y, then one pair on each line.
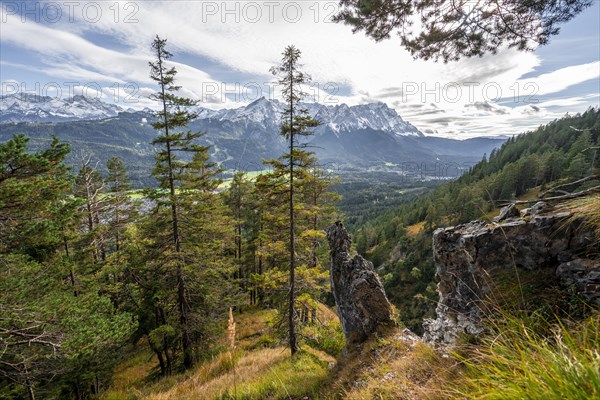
x,y
90,267
86,271
399,241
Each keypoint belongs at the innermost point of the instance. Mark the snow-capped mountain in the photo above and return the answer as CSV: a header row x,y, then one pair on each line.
x,y
26,107
340,118
368,137
337,118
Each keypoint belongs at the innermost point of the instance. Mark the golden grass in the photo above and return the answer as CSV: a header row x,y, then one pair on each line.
x,y
260,372
588,207
389,367
212,380
413,230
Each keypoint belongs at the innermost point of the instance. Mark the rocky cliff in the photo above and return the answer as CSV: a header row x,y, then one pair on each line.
x,y
480,264
359,295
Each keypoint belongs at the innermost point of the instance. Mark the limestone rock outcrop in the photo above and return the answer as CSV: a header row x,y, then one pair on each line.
x,y
359,295
469,259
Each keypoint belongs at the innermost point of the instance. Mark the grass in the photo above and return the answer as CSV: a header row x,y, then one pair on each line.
x,y
522,357
265,373
286,377
131,374
388,366
519,362
588,207
413,230
263,369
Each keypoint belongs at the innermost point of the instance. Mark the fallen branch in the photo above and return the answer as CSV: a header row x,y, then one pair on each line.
x,y
556,188
557,198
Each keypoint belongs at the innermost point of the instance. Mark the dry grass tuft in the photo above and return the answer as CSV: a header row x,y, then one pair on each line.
x,y
213,380
589,208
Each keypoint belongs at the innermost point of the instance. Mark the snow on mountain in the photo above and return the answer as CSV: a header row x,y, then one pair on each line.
x,y
376,116
26,107
335,118
263,113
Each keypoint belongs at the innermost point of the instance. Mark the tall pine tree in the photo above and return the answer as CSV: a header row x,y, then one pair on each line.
x,y
296,121
171,118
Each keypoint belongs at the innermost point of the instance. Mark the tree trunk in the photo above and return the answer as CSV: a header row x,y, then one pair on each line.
x,y
71,272
186,342
292,327
186,339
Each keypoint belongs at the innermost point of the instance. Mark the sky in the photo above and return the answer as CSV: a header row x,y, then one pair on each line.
x,y
223,51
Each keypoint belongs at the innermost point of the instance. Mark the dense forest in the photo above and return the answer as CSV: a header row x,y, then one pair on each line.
x,y
88,265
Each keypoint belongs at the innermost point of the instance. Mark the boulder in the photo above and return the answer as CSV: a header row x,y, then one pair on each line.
x,y
359,295
509,211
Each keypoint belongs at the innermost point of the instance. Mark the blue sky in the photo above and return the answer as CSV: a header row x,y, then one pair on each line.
x,y
223,51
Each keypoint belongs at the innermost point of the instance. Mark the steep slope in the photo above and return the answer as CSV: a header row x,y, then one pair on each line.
x,y
399,242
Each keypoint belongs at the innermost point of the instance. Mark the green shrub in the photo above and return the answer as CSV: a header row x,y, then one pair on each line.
x,y
327,337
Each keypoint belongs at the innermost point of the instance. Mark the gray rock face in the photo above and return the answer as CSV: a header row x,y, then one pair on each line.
x,y
583,274
469,257
510,211
359,295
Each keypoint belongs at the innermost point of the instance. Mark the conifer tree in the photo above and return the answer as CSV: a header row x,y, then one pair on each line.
x,y
172,116
296,121
32,185
56,342
314,210
451,29
120,206
199,233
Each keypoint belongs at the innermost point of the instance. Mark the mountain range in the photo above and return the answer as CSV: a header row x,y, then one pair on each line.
x,y
350,140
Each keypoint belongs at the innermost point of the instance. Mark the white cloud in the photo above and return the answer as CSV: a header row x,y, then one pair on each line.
x,y
454,99
561,79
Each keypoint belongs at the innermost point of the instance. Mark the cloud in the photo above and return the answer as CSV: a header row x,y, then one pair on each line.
x,y
485,106
561,79
219,45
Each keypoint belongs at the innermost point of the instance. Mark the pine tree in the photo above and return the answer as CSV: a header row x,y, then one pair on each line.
x,y
90,187
119,204
32,186
171,117
190,233
57,342
449,30
296,121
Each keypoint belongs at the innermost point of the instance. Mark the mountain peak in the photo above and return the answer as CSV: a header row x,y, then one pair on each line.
x,y
28,107
339,118
259,101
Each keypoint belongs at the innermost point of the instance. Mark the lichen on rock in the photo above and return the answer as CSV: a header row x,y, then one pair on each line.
x,y
545,242
359,295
